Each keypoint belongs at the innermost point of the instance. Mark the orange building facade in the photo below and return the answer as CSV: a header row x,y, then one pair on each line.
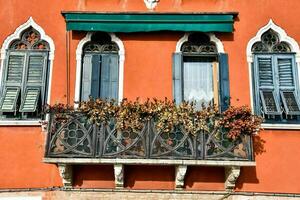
x,y
143,36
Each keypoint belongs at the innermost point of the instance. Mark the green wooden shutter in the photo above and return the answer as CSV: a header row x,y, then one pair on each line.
x,y
30,100
177,78
224,81
14,70
86,77
9,100
265,88
35,83
109,86
12,81
287,79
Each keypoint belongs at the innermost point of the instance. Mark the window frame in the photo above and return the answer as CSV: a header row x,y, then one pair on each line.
x,y
23,85
276,88
223,68
214,64
79,61
99,56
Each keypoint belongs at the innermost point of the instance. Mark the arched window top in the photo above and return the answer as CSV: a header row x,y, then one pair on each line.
x,y
199,43
270,43
30,39
101,43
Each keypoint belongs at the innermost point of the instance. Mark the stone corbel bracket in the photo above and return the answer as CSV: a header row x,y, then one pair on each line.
x,y
66,174
180,175
231,175
119,175
151,4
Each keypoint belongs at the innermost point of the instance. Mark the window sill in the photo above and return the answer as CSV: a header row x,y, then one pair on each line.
x,y
20,123
281,126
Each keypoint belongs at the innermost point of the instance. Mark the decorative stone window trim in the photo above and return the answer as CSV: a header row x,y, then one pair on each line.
x,y
294,47
16,35
79,51
232,168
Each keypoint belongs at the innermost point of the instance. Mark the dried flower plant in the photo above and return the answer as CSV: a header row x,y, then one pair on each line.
x,y
132,115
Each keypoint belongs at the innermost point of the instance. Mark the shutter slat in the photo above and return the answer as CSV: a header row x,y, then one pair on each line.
x,y
15,69
265,72
290,102
9,99
269,103
177,78
30,100
285,71
224,81
36,65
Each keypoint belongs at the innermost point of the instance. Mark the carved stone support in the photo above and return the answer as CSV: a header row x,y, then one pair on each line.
x,y
66,174
231,175
119,175
151,4
180,175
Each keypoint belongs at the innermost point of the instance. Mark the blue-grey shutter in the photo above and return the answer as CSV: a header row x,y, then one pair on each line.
x,y
224,81
109,85
35,82
287,77
95,82
12,81
265,87
86,77
177,78
285,72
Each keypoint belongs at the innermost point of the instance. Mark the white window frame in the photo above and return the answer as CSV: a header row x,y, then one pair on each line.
x,y
250,59
79,52
5,46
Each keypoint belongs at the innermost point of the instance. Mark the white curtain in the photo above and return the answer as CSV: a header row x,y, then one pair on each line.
x,y
198,82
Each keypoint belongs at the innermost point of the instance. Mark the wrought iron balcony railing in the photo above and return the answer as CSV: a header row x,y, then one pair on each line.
x,y
73,136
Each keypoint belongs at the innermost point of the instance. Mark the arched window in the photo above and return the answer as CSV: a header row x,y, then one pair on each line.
x,y
276,84
200,72
24,78
100,68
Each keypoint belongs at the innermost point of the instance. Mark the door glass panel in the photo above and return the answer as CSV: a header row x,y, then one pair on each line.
x,y
198,82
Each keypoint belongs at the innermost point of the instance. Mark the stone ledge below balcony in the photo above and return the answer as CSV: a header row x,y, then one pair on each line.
x,y
91,161
232,168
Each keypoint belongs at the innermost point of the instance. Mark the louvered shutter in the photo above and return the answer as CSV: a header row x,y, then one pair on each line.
x,y
13,75
34,87
177,78
86,77
224,81
266,85
30,99
9,99
286,78
109,85
14,70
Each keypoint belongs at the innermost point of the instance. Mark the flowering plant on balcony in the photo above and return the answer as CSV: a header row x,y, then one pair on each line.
x,y
130,116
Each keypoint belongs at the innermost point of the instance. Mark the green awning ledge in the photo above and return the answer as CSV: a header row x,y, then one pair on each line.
x,y
147,22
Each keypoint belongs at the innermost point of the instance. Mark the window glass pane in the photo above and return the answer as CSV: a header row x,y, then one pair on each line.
x,y
198,82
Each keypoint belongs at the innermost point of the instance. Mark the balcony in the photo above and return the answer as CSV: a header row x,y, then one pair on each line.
x,y
73,138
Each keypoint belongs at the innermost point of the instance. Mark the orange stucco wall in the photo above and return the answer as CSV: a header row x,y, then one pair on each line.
x,y
147,73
